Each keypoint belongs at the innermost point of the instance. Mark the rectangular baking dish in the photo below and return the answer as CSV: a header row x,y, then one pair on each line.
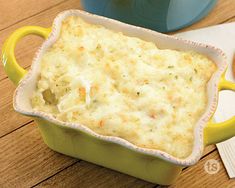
x,y
78,141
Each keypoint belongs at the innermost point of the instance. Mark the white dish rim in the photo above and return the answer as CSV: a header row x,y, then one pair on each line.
x,y
212,88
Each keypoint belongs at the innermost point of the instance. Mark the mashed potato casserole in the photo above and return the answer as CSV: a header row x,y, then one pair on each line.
x,y
124,86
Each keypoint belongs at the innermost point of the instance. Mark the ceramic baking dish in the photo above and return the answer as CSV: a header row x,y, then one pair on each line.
x,y
76,140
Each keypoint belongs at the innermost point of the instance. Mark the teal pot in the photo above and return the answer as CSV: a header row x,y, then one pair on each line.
x,y
159,15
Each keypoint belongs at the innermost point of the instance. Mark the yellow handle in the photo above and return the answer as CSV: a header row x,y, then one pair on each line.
x,y
14,71
218,132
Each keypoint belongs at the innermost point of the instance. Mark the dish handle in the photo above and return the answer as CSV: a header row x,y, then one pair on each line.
x,y
218,132
14,71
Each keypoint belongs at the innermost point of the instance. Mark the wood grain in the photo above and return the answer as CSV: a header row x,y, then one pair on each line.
x,y
84,174
14,11
209,149
232,19
25,160
10,120
196,176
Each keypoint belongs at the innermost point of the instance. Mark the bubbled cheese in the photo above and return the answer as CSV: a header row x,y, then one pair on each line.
x,y
124,86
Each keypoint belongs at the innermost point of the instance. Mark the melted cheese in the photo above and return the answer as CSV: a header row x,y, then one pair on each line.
x,y
124,86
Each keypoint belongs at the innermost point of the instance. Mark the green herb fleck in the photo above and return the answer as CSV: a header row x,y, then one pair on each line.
x,y
67,89
170,67
190,79
98,46
49,97
176,76
138,93
195,70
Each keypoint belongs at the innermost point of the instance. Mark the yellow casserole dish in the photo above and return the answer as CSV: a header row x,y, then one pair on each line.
x,y
79,141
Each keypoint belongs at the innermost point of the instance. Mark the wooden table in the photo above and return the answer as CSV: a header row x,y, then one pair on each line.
x,y
25,161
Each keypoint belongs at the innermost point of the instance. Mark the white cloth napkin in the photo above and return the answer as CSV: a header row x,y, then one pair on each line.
x,y
223,37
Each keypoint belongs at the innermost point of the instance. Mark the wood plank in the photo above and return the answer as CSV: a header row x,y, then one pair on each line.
x,y
209,149
84,174
230,20
223,11
10,120
34,166
28,46
25,160
14,11
196,176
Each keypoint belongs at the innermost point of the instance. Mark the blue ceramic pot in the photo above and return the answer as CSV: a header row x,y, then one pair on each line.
x,y
160,15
